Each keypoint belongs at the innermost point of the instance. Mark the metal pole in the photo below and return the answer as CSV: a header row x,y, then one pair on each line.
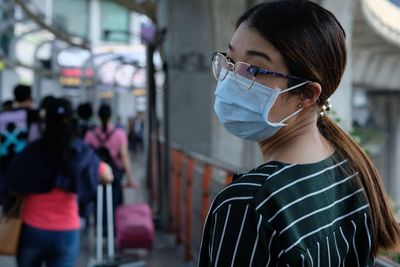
x,y
151,126
164,220
110,222
99,224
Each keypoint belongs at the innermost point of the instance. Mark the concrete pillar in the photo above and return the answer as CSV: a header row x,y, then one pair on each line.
x,y
188,44
342,99
386,121
225,146
380,118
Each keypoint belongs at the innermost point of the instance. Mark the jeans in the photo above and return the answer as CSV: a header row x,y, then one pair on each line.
x,y
55,248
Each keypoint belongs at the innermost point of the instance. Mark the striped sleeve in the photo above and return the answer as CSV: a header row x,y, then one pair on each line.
x,y
235,234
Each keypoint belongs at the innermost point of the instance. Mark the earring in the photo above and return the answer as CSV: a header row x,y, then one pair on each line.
x,y
299,105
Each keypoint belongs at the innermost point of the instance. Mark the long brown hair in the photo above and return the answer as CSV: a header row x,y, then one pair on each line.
x,y
313,45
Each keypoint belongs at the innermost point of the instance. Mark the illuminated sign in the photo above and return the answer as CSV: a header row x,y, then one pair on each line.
x,y
71,61
72,77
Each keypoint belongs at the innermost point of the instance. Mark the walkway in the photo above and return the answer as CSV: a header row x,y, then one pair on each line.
x,y
164,254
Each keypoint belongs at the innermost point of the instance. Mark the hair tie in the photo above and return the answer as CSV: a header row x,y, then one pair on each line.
x,y
326,107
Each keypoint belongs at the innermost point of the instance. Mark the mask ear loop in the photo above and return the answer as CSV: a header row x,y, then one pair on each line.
x,y
282,122
293,87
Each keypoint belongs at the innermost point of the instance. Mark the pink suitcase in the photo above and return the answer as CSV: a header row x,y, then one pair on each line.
x,y
134,226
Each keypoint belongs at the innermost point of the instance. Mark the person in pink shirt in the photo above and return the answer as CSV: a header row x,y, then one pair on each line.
x,y
111,143
52,174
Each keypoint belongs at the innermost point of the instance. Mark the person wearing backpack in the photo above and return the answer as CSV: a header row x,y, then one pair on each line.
x,y
111,144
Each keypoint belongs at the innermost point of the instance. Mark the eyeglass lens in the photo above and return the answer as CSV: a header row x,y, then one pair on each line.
x,y
220,67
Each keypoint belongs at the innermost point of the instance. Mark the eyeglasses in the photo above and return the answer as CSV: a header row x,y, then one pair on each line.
x,y
221,65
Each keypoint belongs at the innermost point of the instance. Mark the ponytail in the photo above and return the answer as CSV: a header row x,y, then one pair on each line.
x,y
104,115
104,123
385,228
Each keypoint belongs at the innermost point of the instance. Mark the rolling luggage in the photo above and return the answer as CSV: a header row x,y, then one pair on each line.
x,y
134,226
111,260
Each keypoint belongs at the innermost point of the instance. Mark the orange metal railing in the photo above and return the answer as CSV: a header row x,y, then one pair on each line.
x,y
183,169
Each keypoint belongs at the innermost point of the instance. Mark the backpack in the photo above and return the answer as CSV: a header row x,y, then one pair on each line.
x,y
103,152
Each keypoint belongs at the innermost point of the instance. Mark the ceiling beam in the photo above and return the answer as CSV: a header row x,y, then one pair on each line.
x,y
68,38
146,7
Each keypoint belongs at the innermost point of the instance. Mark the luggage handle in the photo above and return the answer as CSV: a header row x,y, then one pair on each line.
x,y
110,223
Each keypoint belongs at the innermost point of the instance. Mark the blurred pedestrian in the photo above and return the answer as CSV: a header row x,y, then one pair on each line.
x,y
137,132
85,114
131,123
111,144
119,123
317,200
18,126
52,174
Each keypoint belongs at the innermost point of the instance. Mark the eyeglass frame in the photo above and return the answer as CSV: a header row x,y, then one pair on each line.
x,y
254,70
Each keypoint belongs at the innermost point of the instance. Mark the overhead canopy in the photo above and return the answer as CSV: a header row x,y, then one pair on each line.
x,y
376,45
37,17
145,7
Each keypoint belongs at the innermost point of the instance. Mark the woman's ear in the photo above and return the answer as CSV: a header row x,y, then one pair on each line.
x,y
310,95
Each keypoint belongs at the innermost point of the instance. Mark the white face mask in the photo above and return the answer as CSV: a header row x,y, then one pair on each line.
x,y
244,113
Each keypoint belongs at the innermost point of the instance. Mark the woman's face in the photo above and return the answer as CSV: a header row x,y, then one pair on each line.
x,y
249,46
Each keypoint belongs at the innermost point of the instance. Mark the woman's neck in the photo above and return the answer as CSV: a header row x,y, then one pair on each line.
x,y
300,142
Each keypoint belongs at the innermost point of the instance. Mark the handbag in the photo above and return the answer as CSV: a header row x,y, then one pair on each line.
x,y
10,228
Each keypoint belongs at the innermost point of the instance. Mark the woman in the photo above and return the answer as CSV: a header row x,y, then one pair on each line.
x,y
111,143
53,173
317,200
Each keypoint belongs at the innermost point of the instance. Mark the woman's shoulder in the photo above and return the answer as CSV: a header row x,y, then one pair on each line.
x,y
244,186
291,180
307,202
90,135
247,184
284,174
259,173
274,183
118,131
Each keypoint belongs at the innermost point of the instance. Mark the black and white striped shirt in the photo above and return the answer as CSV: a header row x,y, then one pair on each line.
x,y
290,215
